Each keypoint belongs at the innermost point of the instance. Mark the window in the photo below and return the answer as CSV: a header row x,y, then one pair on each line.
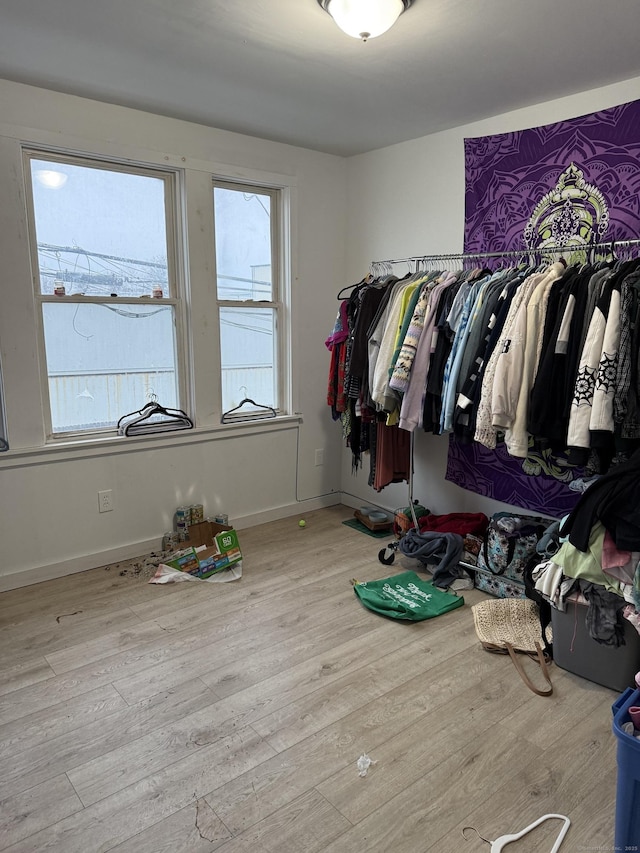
x,y
111,310
247,223
104,273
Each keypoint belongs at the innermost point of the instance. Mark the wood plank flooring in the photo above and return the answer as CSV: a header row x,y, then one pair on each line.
x,y
229,717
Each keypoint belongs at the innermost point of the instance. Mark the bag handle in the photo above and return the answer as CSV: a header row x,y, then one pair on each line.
x,y
538,656
511,549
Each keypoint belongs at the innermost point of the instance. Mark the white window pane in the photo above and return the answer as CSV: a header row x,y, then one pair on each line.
x,y
99,232
243,244
104,361
247,337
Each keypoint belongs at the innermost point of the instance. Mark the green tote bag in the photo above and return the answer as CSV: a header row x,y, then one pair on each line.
x,y
406,596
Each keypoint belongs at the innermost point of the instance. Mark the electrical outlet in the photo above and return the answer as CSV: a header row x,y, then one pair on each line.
x,y
105,500
319,457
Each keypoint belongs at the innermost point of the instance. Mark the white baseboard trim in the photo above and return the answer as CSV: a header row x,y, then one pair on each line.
x,y
286,511
356,502
277,513
72,566
27,577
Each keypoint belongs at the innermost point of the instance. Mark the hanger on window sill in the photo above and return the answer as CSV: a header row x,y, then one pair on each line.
x,y
229,417
153,418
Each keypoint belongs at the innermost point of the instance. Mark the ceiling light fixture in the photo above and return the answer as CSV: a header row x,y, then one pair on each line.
x,y
365,19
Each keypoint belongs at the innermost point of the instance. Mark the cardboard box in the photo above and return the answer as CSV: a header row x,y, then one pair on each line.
x,y
210,548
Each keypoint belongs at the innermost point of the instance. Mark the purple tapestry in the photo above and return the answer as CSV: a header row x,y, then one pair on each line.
x,y
571,183
541,483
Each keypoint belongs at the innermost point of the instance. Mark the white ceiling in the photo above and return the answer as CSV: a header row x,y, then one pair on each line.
x,y
282,70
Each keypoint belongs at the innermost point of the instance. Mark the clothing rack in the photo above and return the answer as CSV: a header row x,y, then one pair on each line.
x,y
610,246
418,260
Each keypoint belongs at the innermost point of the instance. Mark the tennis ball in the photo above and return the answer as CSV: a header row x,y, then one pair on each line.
x,y
302,523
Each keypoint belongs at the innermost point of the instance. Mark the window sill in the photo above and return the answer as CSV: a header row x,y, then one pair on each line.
x,y
66,450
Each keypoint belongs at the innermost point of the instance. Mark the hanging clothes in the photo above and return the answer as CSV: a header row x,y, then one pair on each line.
x,y
626,401
411,408
441,343
552,392
548,357
495,313
527,346
393,456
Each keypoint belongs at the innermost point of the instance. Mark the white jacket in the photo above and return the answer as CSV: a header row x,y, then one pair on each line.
x,y
516,435
581,405
605,386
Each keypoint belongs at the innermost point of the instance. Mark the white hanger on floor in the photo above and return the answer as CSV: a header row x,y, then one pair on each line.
x,y
499,844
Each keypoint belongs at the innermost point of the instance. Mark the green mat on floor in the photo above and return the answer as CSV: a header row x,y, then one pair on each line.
x,y
377,534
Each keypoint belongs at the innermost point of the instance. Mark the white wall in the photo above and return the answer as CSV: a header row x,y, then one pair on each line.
x,y
408,200
404,200
49,523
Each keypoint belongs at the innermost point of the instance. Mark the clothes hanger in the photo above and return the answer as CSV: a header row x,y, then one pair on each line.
x,y
500,843
225,419
366,280
152,418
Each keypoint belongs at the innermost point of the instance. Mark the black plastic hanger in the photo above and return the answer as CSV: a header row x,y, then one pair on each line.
x,y
153,418
366,280
225,419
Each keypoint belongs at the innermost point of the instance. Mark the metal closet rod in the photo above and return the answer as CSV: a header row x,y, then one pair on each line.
x,y
611,244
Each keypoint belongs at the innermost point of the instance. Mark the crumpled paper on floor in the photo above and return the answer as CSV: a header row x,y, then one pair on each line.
x,y
166,574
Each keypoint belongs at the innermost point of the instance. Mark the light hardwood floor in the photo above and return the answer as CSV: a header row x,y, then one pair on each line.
x,y
229,717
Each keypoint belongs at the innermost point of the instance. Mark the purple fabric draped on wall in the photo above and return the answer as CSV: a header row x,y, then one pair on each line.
x,y
541,483
507,176
575,182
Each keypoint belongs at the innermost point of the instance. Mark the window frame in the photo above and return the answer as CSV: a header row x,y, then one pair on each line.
x,y
175,243
279,219
4,441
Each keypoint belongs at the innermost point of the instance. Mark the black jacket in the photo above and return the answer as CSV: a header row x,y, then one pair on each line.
x,y
614,500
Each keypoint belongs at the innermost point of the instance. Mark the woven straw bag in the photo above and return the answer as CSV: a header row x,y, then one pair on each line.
x,y
512,626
